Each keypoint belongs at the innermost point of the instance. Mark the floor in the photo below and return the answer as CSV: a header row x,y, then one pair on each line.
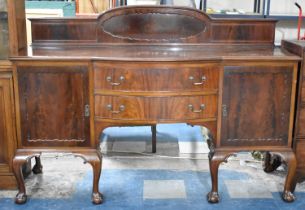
x,y
176,177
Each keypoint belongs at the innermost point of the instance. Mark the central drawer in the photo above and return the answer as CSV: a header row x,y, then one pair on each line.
x,y
156,77
156,108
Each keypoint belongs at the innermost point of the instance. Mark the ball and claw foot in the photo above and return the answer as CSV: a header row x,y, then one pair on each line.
x,y
20,198
97,198
288,196
213,197
273,164
37,169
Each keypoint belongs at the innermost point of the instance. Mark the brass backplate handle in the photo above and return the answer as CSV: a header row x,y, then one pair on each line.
x,y
109,79
110,108
191,108
203,79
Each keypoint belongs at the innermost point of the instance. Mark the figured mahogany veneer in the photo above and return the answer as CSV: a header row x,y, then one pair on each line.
x,y
156,108
156,77
257,97
52,103
148,65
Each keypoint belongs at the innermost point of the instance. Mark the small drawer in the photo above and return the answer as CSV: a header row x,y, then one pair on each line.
x,y
166,77
184,107
121,107
156,108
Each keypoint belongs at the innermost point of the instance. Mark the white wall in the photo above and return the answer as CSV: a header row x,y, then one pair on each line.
x,y
282,7
246,5
3,6
143,2
157,2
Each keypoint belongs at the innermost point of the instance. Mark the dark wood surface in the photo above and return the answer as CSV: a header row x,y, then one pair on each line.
x,y
161,52
142,72
52,103
154,24
157,109
156,77
256,106
64,30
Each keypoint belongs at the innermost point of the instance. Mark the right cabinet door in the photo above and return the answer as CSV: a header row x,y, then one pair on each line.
x,y
257,105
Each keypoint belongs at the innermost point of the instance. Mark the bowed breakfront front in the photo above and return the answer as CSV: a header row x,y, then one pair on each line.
x,y
147,65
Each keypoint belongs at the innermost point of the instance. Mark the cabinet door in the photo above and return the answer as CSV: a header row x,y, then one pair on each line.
x,y
256,106
7,123
53,106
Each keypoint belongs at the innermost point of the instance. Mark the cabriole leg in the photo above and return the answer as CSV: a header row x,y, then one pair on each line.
x,y
37,169
214,160
271,162
18,161
290,160
95,160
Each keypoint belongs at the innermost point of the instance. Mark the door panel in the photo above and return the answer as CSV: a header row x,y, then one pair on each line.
x,y
256,105
52,105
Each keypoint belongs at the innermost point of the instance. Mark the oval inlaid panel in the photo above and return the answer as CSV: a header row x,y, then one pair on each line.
x,y
153,26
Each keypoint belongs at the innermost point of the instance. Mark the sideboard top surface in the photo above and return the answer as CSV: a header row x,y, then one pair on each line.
x,y
134,52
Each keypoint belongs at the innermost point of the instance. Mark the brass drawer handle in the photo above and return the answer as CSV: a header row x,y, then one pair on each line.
x,y
191,108
109,79
121,109
203,79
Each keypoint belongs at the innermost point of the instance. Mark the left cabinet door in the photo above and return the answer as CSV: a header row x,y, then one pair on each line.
x,y
7,131
54,106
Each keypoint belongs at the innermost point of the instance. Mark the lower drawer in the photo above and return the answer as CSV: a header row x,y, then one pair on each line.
x,y
156,108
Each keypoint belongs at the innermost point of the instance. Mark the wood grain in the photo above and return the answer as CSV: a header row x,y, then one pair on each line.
x,y
153,24
59,30
256,105
157,77
248,92
156,108
7,131
52,102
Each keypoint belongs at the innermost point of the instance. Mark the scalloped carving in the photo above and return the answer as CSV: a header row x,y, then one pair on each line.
x,y
153,26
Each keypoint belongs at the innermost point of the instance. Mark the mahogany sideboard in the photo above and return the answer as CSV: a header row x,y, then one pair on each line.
x,y
149,65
